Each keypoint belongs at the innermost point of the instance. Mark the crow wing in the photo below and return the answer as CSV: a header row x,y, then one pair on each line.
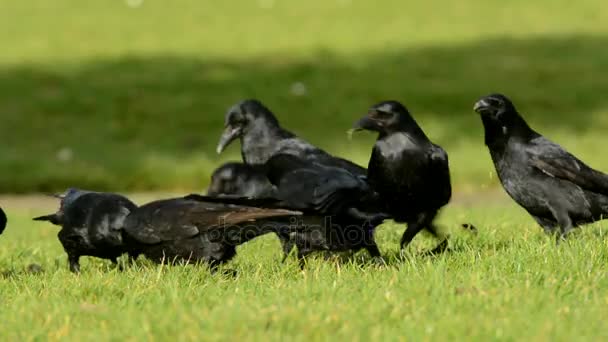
x,y
439,169
237,200
181,218
309,186
556,162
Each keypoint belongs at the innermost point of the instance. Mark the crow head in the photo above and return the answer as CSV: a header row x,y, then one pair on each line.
x,y
224,180
241,180
242,118
500,118
496,107
388,117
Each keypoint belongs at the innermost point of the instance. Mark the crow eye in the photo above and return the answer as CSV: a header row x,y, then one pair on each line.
x,y
236,119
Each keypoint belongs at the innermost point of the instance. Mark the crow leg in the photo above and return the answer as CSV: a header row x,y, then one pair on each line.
x,y
302,259
74,262
547,225
414,227
441,248
287,246
443,244
374,251
411,231
563,220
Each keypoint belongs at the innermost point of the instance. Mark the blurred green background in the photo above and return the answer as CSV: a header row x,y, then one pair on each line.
x,y
130,95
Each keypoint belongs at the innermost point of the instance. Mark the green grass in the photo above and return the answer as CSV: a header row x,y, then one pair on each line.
x,y
138,95
98,95
509,282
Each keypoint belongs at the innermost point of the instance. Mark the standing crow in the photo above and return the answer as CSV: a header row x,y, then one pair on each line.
x,y
262,137
554,186
91,224
239,179
192,230
410,174
3,220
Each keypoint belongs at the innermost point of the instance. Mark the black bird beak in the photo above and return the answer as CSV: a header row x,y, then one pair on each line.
x,y
53,218
229,135
480,106
367,123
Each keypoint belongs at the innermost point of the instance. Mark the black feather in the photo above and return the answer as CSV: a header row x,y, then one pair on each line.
x,y
556,188
410,174
3,221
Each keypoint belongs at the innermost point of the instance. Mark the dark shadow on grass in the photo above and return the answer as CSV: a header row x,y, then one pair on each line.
x,y
119,117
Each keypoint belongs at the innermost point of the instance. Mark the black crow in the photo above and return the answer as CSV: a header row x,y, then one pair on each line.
x,y
555,187
340,210
239,179
313,232
3,221
193,230
262,137
91,224
410,174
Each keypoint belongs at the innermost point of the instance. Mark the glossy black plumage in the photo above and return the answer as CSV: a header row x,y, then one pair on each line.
x,y
341,211
193,230
262,137
320,189
3,221
410,174
240,179
556,188
243,180
312,232
91,224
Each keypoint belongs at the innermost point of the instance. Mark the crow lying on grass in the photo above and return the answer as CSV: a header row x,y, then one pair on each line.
x,y
556,188
193,230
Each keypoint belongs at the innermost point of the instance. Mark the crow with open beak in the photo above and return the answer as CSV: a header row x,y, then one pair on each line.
x,y
410,174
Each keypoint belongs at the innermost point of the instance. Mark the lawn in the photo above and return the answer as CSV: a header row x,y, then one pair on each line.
x,y
508,282
130,96
101,95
